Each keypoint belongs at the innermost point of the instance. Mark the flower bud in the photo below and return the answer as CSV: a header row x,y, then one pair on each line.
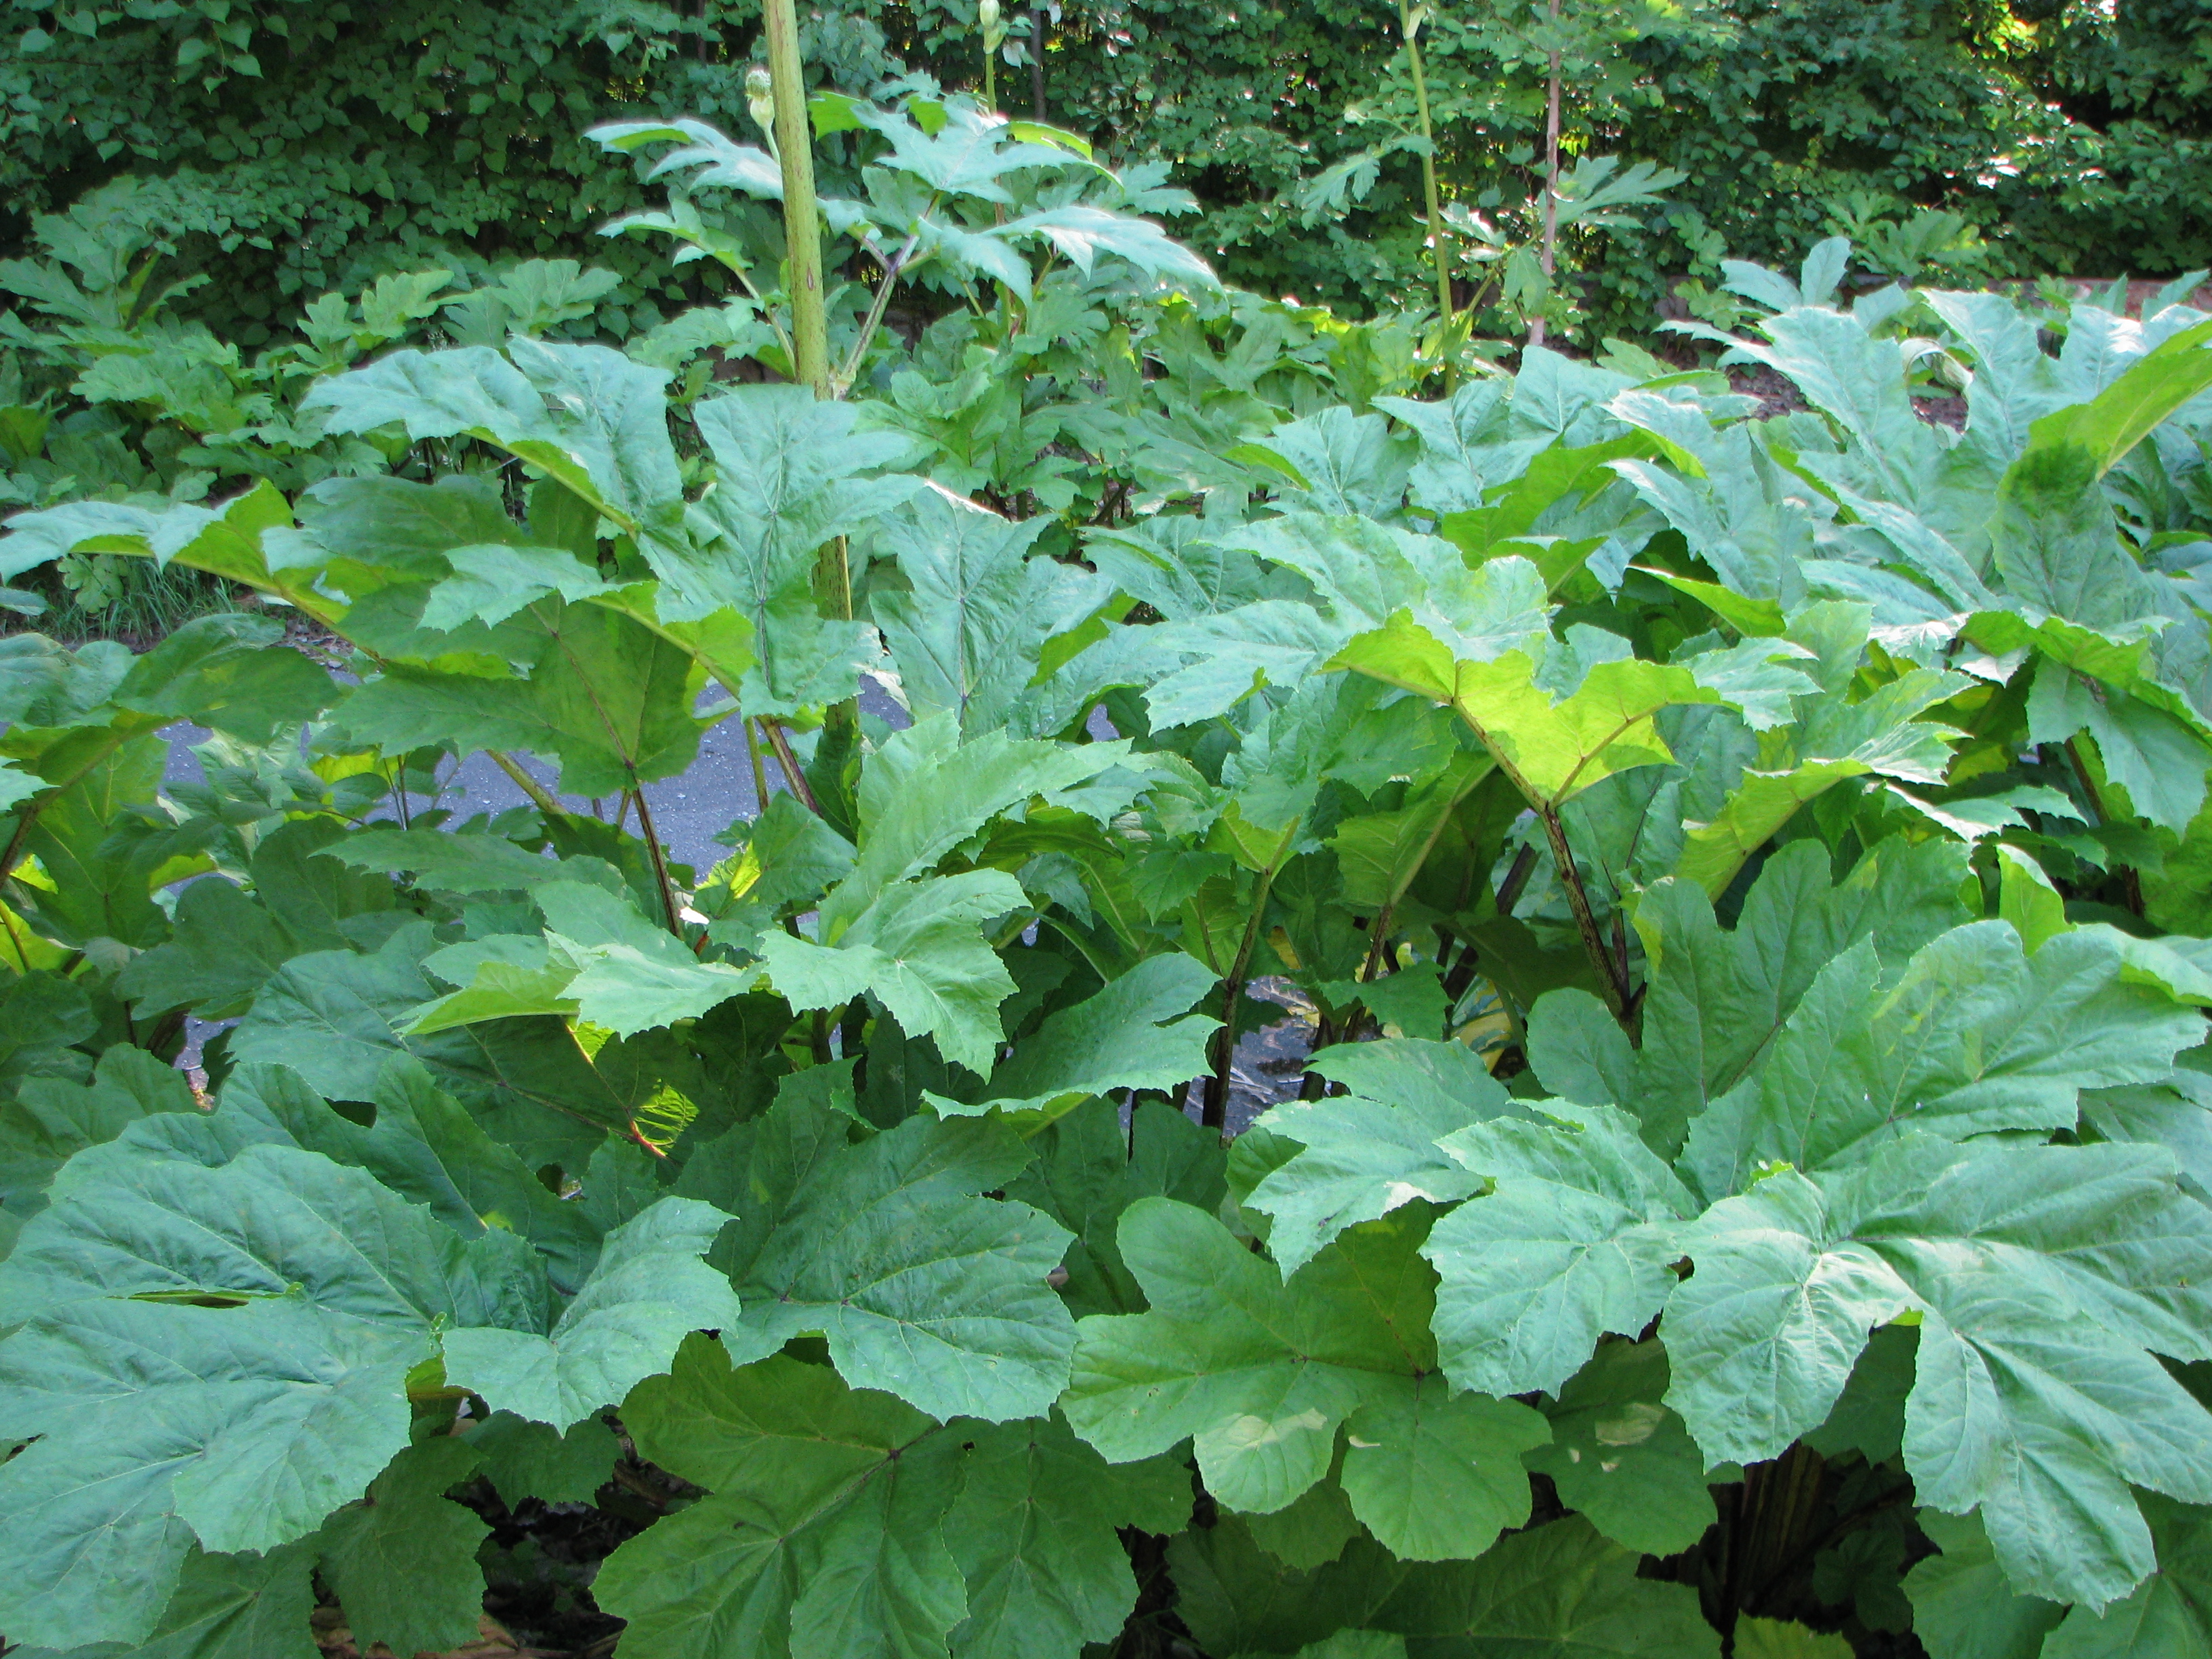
x,y
987,14
760,99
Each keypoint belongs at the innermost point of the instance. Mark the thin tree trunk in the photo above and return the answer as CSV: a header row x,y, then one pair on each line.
x,y
1038,18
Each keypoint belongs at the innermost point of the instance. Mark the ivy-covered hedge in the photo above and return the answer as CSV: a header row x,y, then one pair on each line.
x,y
322,143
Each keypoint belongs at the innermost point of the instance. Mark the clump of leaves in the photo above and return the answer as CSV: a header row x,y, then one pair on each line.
x,y
1749,1191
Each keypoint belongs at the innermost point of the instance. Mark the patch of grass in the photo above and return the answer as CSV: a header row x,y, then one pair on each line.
x,y
110,598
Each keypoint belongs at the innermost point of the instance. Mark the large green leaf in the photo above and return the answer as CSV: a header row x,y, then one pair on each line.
x,y
919,947
825,1537
2170,1613
924,791
1622,1459
522,1458
403,1561
223,948
2045,1277
648,1291
134,1218
586,415
49,1120
791,475
1138,1033
1091,1168
227,1607
1716,999
336,1017
923,1289
1360,1157
427,1148
606,697
1034,1534
1262,1373
1574,1240
968,631
1834,741
1962,1607
1558,1590
2117,419
245,1425
1974,1036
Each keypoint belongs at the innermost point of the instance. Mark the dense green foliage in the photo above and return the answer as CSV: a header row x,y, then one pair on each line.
x,y
1750,875
307,147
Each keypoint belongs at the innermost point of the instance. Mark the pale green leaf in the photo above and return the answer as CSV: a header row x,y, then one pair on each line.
x,y
1573,1241
968,631
1972,1037
2044,1276
1261,1373
227,1607
1360,1158
920,948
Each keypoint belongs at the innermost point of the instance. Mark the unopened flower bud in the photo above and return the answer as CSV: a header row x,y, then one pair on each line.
x,y
987,14
760,99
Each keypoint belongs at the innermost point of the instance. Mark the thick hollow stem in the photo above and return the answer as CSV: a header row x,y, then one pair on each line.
x,y
1516,877
802,223
1438,249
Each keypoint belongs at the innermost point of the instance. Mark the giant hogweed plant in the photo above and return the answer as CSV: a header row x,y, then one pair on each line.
x,y
1821,1252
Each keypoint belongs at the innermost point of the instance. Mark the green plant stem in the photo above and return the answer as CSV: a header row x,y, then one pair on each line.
x,y
1516,877
1213,1110
760,769
540,796
788,763
893,269
802,219
810,324
990,77
652,838
1438,249
2130,879
1611,976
